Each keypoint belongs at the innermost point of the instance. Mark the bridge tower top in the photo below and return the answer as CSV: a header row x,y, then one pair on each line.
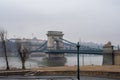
x,y
54,40
55,33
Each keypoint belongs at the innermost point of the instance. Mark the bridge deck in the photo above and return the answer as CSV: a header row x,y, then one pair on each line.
x,y
73,51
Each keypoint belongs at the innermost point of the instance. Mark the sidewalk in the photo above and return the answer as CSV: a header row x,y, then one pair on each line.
x,y
100,71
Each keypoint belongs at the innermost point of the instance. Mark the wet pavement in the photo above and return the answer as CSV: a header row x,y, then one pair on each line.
x,y
51,78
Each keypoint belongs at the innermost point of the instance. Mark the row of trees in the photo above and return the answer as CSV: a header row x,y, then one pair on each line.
x,y
21,49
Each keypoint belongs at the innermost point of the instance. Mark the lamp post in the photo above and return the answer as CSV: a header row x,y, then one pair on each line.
x,y
78,66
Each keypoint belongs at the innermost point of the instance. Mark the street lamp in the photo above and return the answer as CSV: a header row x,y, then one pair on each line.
x,y
78,66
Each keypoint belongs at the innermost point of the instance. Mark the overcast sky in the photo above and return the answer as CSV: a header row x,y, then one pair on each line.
x,y
91,20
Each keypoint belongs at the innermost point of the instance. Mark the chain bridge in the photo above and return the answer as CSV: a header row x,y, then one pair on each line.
x,y
56,44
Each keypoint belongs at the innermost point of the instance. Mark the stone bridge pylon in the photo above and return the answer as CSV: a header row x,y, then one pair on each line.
x,y
54,40
55,43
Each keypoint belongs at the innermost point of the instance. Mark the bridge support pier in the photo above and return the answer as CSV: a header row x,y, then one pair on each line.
x,y
56,59
54,55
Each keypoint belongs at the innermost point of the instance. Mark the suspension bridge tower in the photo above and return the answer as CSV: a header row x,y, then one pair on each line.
x,y
55,43
54,40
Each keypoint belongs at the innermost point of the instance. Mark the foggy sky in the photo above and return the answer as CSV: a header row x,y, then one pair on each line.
x,y
89,20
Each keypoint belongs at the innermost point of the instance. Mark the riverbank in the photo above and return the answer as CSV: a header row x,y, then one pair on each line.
x,y
97,71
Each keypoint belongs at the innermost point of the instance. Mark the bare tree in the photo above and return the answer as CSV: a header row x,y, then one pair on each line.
x,y
3,35
22,51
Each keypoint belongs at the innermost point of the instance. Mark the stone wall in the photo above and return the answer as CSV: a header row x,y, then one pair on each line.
x,y
117,57
108,56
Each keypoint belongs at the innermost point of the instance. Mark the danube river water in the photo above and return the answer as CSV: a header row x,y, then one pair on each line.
x,y
34,62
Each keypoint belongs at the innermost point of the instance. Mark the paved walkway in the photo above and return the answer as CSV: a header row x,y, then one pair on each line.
x,y
50,78
101,71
